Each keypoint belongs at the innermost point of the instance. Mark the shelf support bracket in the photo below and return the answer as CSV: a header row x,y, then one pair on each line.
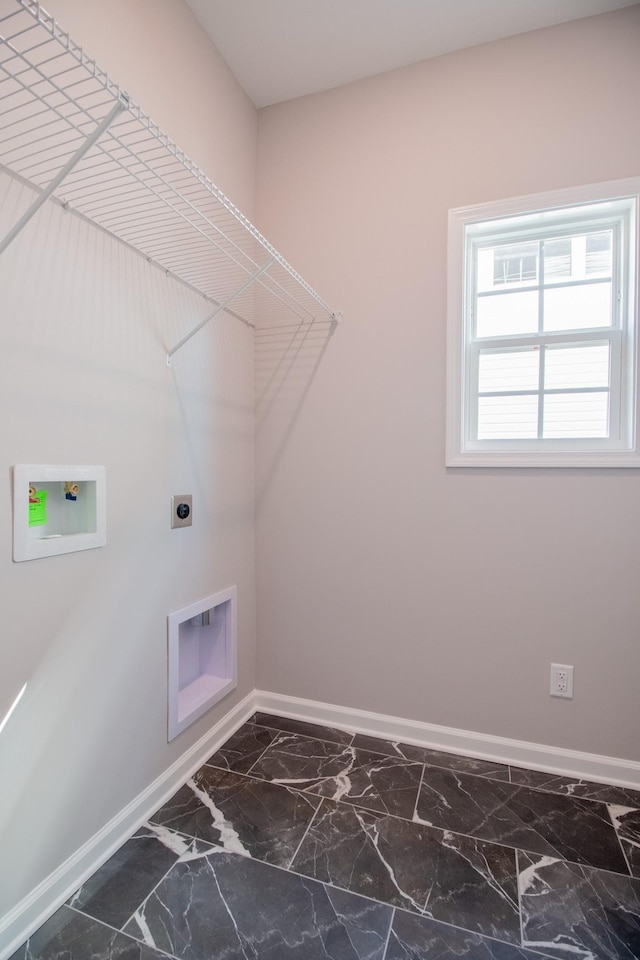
x,y
221,306
121,104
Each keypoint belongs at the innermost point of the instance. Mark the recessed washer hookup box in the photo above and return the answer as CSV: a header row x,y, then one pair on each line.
x,y
57,508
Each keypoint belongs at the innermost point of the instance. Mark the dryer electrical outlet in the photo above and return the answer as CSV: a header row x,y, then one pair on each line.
x,y
181,510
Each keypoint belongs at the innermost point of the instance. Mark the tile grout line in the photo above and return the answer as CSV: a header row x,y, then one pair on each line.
x,y
258,758
297,850
309,736
192,841
620,843
121,933
475,933
386,943
520,915
415,805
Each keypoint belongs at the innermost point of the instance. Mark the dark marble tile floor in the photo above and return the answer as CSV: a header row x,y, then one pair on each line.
x,y
301,842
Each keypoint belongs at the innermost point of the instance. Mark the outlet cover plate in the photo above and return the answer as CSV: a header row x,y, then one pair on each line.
x,y
561,684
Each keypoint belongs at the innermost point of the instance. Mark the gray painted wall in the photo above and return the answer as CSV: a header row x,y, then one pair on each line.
x,y
385,581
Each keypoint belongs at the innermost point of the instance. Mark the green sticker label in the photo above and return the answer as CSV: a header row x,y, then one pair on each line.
x,y
38,508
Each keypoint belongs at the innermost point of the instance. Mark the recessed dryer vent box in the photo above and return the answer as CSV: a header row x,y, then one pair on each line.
x,y
203,657
57,509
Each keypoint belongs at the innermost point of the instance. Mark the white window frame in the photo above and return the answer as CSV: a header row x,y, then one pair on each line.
x,y
466,225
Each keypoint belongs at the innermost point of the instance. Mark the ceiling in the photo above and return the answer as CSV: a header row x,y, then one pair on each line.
x,y
281,49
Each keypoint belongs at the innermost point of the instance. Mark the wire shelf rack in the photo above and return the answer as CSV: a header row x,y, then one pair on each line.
x,y
68,130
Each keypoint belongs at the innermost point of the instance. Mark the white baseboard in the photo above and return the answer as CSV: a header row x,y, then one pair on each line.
x,y
55,889
34,909
519,753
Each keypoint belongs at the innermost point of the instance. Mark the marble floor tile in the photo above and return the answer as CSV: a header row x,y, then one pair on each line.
x,y
129,876
450,878
436,758
366,921
578,912
627,825
226,906
573,829
384,784
370,780
553,783
242,750
416,938
69,935
316,730
247,816
296,841
302,762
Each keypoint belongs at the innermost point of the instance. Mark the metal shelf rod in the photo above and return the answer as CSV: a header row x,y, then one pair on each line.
x,y
218,309
68,167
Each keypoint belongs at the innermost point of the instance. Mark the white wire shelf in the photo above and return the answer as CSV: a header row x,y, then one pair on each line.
x,y
68,130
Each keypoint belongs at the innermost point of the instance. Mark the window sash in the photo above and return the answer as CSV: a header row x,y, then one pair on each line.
x,y
578,338
516,235
570,226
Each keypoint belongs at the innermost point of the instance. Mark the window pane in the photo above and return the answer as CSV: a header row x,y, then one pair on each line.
x,y
557,259
573,415
598,254
504,314
575,308
507,418
584,255
510,265
508,370
583,366
515,263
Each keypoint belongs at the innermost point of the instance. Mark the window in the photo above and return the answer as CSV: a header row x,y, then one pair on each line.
x,y
542,337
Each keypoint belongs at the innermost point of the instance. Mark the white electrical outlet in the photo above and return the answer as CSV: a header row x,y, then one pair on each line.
x,y
561,680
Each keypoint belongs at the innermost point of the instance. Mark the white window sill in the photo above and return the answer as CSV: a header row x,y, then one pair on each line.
x,y
498,458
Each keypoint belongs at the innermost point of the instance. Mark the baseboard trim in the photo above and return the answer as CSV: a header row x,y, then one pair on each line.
x,y
520,753
17,925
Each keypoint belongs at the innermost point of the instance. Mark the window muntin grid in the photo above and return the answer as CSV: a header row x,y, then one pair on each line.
x,y
533,288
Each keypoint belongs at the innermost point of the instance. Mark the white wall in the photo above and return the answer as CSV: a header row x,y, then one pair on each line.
x,y
85,328
385,581
157,52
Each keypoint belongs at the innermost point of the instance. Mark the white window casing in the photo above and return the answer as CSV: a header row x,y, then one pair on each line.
x,y
542,336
